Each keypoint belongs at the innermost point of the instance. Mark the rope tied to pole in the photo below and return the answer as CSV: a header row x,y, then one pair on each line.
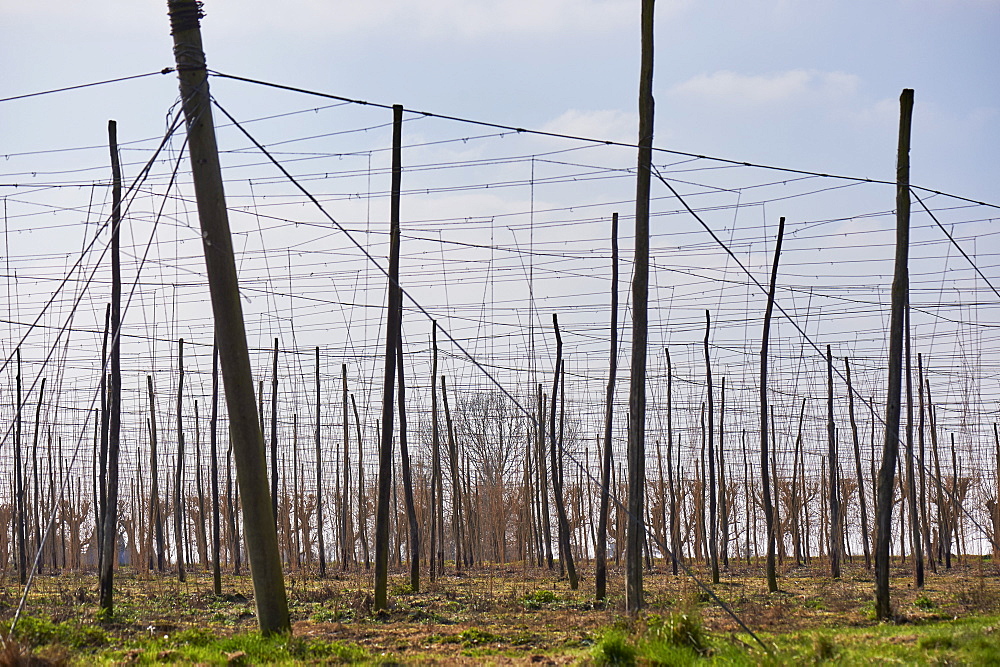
x,y
184,15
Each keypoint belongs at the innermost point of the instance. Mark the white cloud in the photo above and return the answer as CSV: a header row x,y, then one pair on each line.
x,y
793,86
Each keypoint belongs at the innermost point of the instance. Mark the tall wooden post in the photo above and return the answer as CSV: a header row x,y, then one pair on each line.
x,y
437,484
601,548
640,297
274,434
900,289
393,314
19,531
102,497
565,552
713,537
916,545
179,474
319,478
865,536
110,532
156,514
836,529
213,443
769,513
404,455
248,445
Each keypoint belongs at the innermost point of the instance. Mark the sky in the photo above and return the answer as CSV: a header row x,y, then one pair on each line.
x,y
811,85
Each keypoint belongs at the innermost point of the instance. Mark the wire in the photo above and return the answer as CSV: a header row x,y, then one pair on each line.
x,y
560,135
165,70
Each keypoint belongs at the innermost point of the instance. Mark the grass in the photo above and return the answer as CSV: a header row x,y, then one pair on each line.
x,y
514,615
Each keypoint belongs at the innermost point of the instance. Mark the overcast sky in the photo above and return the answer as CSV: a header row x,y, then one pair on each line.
x,y
809,84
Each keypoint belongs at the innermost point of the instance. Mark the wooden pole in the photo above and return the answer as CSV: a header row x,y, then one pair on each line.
x,y
156,513
362,491
601,547
179,473
713,534
456,487
675,536
213,444
922,466
102,499
640,296
19,532
723,501
765,478
565,552
110,534
836,531
36,509
435,462
201,535
248,446
345,495
319,478
404,453
916,543
393,313
900,289
274,434
865,536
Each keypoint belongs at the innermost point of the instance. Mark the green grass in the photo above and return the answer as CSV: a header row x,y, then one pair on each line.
x,y
88,644
681,639
971,641
201,646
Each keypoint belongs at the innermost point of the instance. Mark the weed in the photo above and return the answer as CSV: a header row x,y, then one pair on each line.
x,y
682,629
401,590
42,631
614,648
477,637
824,648
332,616
924,602
535,599
814,603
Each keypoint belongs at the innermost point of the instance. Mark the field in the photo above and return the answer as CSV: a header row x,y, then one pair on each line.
x,y
517,615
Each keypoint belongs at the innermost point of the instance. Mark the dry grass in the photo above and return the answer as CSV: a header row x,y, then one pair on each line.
x,y
506,614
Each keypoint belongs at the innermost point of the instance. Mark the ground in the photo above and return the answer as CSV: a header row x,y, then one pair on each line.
x,y
512,614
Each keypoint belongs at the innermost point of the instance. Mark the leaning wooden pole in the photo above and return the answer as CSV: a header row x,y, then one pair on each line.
x,y
765,478
863,508
404,455
248,444
640,296
565,551
110,518
393,313
601,547
900,289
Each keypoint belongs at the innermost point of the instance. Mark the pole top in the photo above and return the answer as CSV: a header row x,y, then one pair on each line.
x,y
184,15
